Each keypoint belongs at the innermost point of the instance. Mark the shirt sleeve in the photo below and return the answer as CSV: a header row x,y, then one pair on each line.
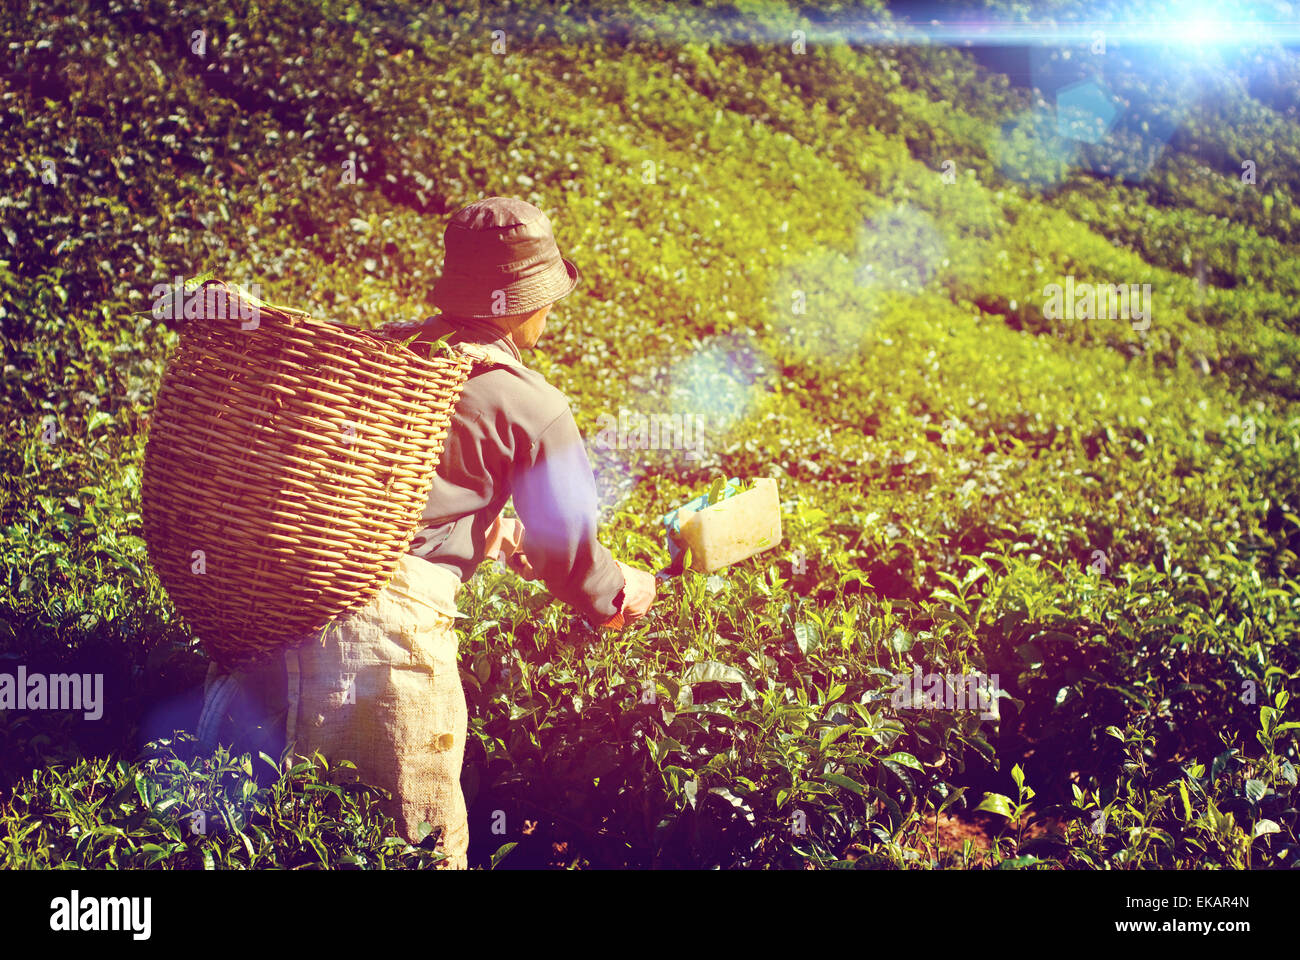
x,y
555,497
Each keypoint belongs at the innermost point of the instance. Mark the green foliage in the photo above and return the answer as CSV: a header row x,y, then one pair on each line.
x,y
169,812
1105,518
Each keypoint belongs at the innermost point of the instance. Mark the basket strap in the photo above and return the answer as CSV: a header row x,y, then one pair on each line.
x,y
293,693
399,329
479,353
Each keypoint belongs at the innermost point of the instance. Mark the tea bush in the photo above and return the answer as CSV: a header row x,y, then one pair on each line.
x,y
1105,517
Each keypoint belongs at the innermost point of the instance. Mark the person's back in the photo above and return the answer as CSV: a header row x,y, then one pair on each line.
x,y
513,435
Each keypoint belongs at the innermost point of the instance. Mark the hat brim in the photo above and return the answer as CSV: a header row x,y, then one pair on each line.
x,y
466,297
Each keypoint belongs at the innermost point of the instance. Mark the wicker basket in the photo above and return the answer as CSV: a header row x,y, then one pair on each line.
x,y
285,472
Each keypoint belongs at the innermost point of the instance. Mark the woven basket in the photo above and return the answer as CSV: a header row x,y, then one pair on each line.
x,y
286,470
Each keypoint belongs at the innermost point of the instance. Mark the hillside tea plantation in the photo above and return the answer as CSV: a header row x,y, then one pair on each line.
x,y
1032,400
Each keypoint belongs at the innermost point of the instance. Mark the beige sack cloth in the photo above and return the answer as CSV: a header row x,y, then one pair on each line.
x,y
382,688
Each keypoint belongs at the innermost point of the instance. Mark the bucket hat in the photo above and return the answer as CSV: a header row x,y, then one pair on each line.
x,y
501,260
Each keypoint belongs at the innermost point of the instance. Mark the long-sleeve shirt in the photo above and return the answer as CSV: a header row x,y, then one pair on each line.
x,y
513,434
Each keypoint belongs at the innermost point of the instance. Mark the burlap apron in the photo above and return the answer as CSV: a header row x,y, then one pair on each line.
x,y
381,689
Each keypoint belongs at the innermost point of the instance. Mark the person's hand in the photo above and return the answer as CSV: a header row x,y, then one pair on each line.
x,y
638,591
505,540
517,561
501,533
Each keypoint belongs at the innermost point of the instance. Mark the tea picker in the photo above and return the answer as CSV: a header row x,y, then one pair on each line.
x,y
315,495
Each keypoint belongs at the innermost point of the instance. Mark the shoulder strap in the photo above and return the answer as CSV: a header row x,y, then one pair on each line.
x,y
485,356
480,352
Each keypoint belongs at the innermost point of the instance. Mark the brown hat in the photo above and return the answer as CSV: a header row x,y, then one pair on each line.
x,y
501,261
